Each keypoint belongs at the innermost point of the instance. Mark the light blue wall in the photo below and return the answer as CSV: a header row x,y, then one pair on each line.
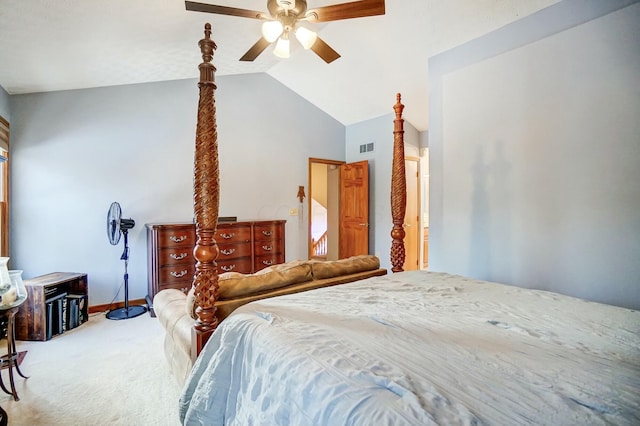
x,y
535,153
4,104
380,131
74,152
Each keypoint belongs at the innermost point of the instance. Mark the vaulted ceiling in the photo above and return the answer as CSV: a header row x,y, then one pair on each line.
x,y
50,45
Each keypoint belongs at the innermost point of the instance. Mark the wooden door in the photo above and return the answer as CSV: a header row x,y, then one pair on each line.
x,y
354,209
412,216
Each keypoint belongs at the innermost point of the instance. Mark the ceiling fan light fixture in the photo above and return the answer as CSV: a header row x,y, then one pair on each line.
x,y
287,14
287,4
271,30
306,37
282,48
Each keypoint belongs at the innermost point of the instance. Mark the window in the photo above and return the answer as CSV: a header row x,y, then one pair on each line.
x,y
4,187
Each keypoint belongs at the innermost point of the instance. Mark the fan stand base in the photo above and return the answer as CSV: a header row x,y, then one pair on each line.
x,y
126,313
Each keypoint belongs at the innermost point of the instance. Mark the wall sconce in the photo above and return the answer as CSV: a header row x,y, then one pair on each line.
x,y
301,193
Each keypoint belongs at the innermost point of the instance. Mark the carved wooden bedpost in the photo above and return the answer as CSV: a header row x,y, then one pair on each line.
x,y
398,191
206,200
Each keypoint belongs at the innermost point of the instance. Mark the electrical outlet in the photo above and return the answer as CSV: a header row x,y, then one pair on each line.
x,y
293,212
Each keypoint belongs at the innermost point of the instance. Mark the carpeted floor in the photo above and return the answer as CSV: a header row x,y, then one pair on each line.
x,y
104,372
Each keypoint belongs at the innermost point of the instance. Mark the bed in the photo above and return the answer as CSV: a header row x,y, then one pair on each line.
x,y
419,348
414,347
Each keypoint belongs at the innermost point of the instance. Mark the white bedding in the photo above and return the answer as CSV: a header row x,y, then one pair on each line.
x,y
419,348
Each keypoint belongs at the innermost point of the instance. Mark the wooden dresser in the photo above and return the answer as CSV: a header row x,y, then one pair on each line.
x,y
245,247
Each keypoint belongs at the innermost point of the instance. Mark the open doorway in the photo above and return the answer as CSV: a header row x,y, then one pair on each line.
x,y
338,209
424,172
324,208
412,229
416,219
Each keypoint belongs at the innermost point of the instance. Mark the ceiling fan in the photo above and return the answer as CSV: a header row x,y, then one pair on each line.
x,y
284,17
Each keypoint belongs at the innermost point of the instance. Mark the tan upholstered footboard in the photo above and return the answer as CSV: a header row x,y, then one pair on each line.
x,y
169,306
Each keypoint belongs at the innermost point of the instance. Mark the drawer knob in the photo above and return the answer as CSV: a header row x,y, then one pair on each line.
x,y
267,233
178,239
228,268
179,274
184,290
267,248
178,256
267,262
227,236
227,252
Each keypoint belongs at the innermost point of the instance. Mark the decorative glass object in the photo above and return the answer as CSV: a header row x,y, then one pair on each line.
x,y
16,281
12,289
5,283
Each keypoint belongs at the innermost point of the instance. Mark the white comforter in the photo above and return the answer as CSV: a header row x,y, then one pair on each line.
x,y
419,348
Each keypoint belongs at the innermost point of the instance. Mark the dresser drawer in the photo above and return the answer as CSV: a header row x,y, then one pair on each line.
x,y
268,260
175,255
261,248
235,234
184,286
181,237
242,265
176,273
234,251
268,232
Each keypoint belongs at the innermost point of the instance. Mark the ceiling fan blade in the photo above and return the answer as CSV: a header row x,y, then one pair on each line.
x,y
325,51
354,9
255,50
224,10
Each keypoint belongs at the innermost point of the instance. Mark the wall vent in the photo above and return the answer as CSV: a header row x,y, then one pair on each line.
x,y
366,147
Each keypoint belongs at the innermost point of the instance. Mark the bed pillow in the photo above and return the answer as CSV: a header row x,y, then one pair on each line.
x,y
276,276
351,265
235,284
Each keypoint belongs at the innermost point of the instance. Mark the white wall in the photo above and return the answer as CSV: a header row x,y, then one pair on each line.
x,y
74,152
380,131
4,104
535,153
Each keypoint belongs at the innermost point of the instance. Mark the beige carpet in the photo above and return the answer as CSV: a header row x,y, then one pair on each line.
x,y
104,372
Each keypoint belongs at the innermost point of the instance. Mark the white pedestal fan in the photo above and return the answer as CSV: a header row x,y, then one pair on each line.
x,y
117,227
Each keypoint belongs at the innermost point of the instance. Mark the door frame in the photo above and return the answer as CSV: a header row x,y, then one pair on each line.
x,y
312,161
414,226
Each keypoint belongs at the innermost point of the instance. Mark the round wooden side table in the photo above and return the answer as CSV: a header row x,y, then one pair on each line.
x,y
13,358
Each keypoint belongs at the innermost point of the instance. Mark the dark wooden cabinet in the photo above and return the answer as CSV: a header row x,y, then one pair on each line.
x,y
55,303
170,261
245,247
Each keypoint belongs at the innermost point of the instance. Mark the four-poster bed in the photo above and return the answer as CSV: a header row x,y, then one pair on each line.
x,y
207,190
412,347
